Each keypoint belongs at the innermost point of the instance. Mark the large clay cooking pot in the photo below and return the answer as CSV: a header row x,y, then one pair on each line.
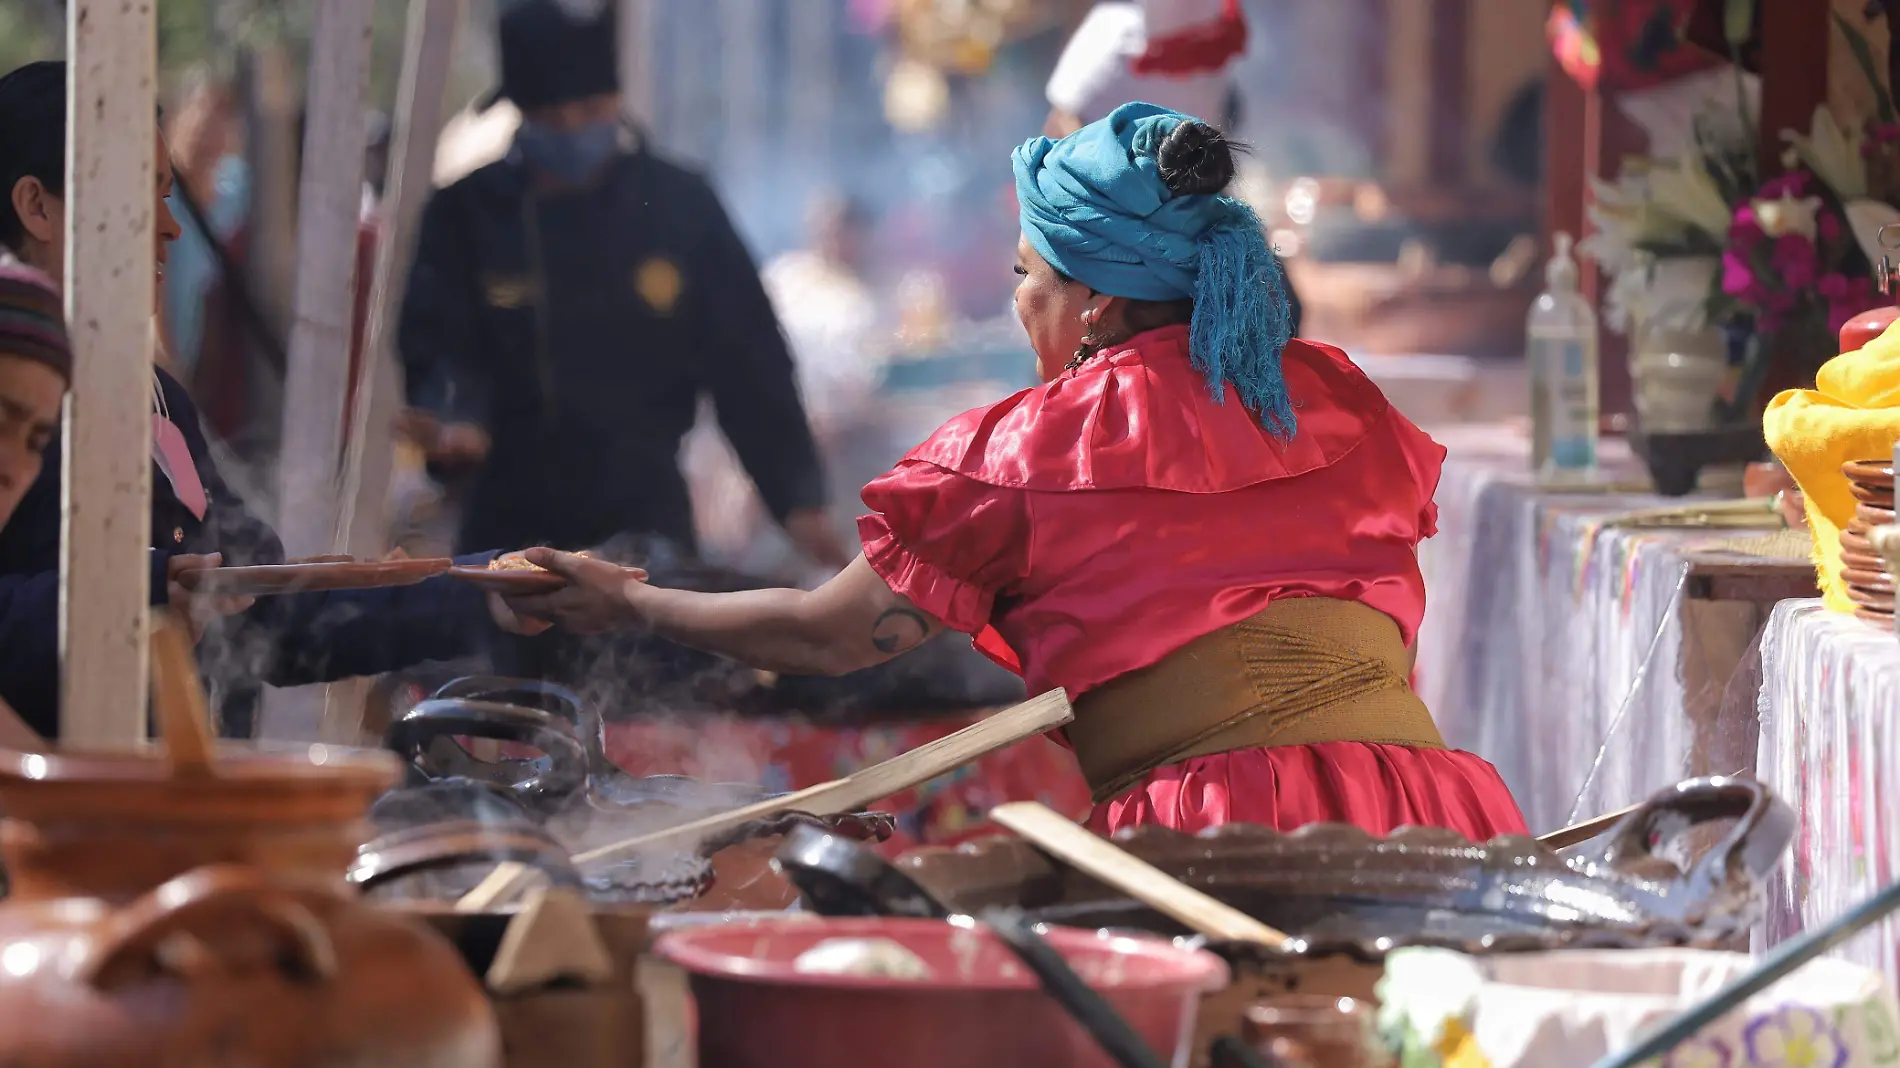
x,y
170,919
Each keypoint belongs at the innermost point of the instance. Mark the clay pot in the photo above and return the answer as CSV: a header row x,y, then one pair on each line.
x,y
1315,1031
163,919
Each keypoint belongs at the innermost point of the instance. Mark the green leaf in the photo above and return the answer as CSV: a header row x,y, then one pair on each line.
x,y
1738,24
1864,58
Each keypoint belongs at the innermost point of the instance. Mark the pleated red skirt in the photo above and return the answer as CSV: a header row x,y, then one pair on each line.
x,y
1376,787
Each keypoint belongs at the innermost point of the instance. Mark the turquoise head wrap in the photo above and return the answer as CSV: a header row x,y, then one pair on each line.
x,y
1094,205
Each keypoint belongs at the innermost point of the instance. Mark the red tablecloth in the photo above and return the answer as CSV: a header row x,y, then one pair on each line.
x,y
791,754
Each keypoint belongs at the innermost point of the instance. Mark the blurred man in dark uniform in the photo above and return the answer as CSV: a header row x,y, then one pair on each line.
x,y
572,303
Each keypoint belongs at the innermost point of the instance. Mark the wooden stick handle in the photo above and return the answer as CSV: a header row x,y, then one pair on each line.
x,y
1565,837
184,717
1583,832
1102,860
1038,715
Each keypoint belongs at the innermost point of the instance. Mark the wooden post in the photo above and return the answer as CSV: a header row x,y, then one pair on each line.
x,y
1794,70
1585,135
812,47
742,68
329,205
1450,64
110,283
330,198
638,79
363,530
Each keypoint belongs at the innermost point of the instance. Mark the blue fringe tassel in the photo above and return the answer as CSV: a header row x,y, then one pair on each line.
x,y
1242,319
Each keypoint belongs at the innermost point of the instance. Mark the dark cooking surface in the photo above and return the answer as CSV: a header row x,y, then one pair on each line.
x,y
536,809
1336,888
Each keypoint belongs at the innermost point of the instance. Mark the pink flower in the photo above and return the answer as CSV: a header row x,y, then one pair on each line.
x,y
1746,229
1738,278
1795,261
1885,131
1830,226
1791,184
1846,298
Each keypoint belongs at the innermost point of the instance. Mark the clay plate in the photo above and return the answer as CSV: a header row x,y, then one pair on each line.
x,y
1337,889
1877,618
1880,496
1875,581
1870,473
509,583
1855,541
1853,561
1872,515
267,579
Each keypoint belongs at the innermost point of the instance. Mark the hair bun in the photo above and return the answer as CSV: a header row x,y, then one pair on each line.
x,y
1195,159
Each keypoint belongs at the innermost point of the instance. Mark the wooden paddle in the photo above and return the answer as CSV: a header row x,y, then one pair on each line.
x,y
849,794
1564,837
184,718
1106,862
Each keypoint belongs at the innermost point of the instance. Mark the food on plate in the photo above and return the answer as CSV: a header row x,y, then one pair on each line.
x,y
862,958
516,562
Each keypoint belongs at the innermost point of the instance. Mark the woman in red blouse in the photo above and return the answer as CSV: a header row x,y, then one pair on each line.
x,y
1206,533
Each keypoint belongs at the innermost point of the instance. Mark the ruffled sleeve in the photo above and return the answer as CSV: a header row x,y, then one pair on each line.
x,y
948,542
1426,459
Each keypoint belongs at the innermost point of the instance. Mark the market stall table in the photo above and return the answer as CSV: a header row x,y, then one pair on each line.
x,y
1591,662
1830,746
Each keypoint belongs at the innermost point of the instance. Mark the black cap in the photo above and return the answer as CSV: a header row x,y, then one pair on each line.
x,y
551,56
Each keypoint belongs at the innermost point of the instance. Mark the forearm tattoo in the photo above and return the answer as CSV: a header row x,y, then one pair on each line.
x,y
899,630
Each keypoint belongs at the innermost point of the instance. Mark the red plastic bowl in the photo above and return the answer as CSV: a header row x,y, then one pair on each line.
x,y
982,1007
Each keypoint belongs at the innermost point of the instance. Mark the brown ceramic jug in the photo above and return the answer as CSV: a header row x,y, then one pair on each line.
x,y
166,918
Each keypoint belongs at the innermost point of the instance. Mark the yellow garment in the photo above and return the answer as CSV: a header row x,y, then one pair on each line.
x,y
1853,413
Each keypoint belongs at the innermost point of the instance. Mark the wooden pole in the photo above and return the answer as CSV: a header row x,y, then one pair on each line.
x,y
329,206
110,283
813,42
363,529
742,67
638,79
330,197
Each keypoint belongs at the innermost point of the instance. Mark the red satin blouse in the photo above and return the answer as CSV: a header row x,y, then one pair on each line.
x,y
1090,526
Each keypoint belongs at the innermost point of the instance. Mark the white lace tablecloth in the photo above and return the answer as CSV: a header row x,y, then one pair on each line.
x,y
1554,646
1830,746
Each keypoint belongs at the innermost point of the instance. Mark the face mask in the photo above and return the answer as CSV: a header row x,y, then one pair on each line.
x,y
573,156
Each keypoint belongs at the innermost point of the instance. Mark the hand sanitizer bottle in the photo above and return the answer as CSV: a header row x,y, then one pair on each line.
x,y
1562,335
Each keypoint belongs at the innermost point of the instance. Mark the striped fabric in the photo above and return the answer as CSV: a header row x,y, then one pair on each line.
x,y
32,321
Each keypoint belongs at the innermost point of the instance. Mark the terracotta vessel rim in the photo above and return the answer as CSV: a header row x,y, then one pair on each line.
x,y
238,767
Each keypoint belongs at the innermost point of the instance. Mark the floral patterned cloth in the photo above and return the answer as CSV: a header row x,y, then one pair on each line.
x,y
1569,1009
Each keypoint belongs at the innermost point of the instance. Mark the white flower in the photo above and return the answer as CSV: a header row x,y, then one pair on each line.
x,y
1832,154
1788,215
1424,989
1685,190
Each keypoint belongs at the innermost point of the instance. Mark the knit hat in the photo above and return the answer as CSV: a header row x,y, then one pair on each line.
x,y
553,52
32,319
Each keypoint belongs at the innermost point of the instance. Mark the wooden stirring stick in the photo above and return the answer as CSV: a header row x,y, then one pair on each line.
x,y
184,720
1583,832
1565,837
1106,862
1035,716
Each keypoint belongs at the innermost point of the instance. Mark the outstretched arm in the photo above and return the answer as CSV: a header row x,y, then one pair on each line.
x,y
850,623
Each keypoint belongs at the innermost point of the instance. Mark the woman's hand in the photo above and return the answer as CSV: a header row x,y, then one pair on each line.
x,y
198,609
599,597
